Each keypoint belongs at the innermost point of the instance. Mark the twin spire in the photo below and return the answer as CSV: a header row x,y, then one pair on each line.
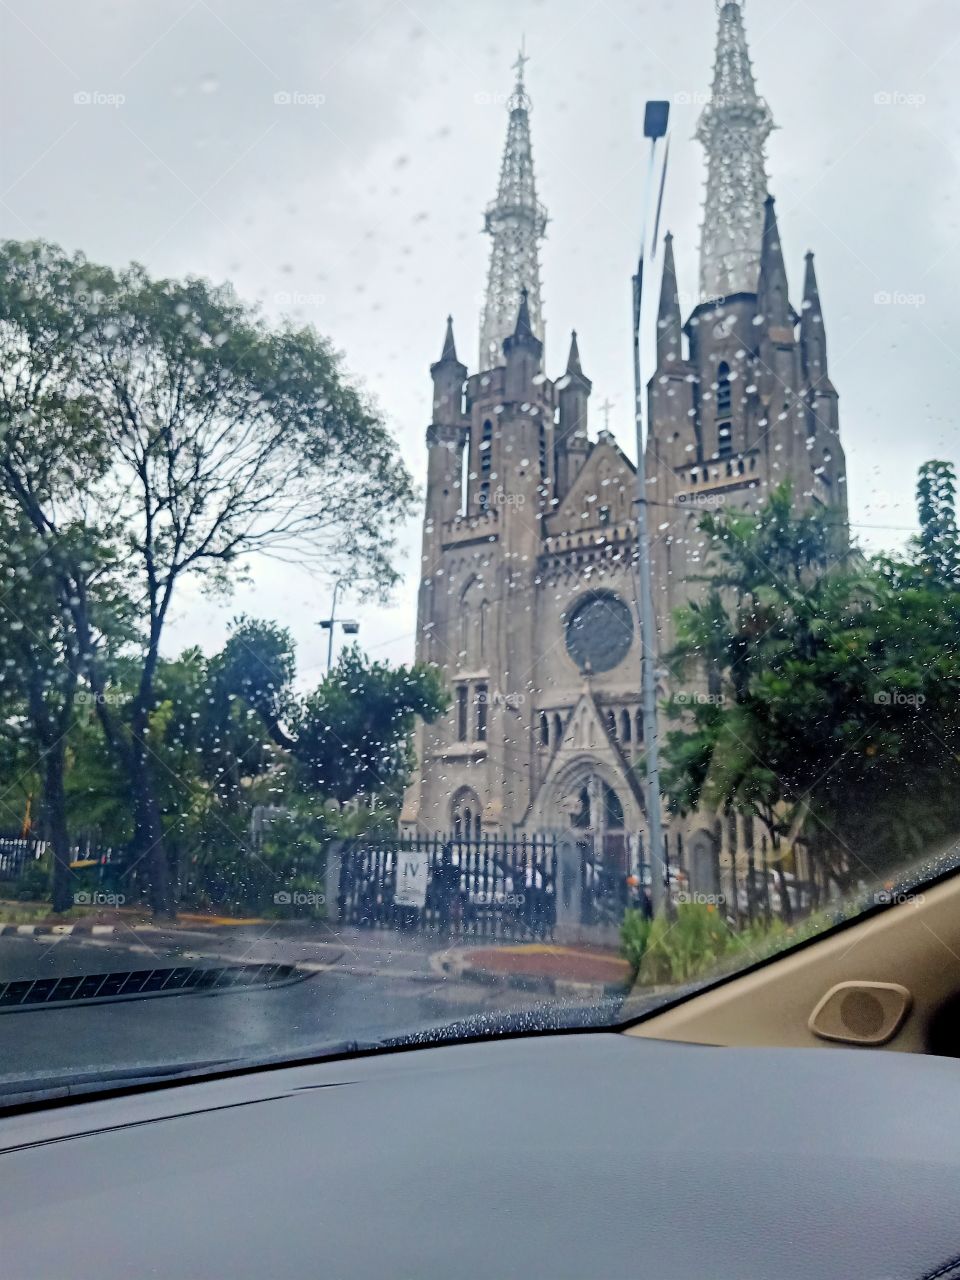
x,y
733,127
516,223
735,236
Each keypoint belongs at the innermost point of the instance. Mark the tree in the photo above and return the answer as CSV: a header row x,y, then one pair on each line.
x,y
840,717
938,545
350,737
214,438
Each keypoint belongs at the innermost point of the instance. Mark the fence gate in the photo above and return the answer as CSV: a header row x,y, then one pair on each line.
x,y
490,887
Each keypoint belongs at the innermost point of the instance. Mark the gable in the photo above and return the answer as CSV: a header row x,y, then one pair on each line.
x,y
605,480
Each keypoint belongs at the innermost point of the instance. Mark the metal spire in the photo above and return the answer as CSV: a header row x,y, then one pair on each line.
x,y
516,221
733,127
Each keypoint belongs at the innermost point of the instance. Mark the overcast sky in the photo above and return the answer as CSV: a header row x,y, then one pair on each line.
x,y
357,207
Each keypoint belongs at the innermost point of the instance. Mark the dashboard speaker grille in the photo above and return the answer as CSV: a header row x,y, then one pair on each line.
x,y
861,1012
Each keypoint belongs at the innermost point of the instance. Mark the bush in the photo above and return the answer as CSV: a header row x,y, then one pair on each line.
x,y
33,883
678,950
634,935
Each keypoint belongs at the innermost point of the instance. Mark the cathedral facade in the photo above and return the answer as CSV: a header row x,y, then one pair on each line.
x,y
528,593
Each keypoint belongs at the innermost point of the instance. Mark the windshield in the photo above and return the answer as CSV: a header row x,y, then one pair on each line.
x,y
478,534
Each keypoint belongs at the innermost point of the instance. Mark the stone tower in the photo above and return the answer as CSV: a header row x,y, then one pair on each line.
x,y
526,599
741,399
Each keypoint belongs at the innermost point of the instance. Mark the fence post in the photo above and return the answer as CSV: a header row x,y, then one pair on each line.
x,y
332,896
569,889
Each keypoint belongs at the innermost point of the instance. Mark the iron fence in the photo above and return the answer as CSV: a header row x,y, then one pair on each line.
x,y
16,854
486,888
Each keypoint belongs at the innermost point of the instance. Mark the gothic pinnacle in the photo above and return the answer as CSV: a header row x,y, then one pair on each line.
x,y
669,321
813,336
772,297
449,351
573,359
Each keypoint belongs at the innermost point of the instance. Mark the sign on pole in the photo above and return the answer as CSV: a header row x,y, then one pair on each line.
x,y
413,868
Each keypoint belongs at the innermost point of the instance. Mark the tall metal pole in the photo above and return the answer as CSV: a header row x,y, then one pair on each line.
x,y
655,126
329,623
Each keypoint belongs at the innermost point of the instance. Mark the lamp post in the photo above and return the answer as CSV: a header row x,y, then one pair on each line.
x,y
349,625
655,121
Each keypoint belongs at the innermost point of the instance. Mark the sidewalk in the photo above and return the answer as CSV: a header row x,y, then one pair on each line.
x,y
540,966
116,920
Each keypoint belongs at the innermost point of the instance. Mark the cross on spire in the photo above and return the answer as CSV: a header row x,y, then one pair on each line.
x,y
605,410
522,59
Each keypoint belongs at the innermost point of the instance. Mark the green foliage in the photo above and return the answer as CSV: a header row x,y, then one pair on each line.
x,y
634,935
680,949
33,884
938,546
352,735
151,431
839,710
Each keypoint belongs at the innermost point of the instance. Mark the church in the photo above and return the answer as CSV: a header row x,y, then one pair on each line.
x,y
528,592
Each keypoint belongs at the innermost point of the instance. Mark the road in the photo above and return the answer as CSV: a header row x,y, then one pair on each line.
x,y
361,985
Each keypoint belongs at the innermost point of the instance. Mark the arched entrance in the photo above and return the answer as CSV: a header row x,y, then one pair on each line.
x,y
465,814
596,807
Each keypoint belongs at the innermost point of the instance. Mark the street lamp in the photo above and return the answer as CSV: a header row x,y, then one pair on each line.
x,y
349,626
655,122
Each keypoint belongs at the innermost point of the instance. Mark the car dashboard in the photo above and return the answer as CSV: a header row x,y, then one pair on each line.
x,y
574,1156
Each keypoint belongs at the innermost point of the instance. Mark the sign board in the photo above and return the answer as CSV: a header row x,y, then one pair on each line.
x,y
413,868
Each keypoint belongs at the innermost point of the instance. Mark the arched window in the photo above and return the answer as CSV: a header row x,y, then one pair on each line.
x,y
544,729
625,728
461,713
557,729
638,725
611,724
613,807
724,409
465,624
723,390
486,465
482,637
486,448
481,706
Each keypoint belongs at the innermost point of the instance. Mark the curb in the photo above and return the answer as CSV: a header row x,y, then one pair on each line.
x,y
454,966
58,930
128,941
93,930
